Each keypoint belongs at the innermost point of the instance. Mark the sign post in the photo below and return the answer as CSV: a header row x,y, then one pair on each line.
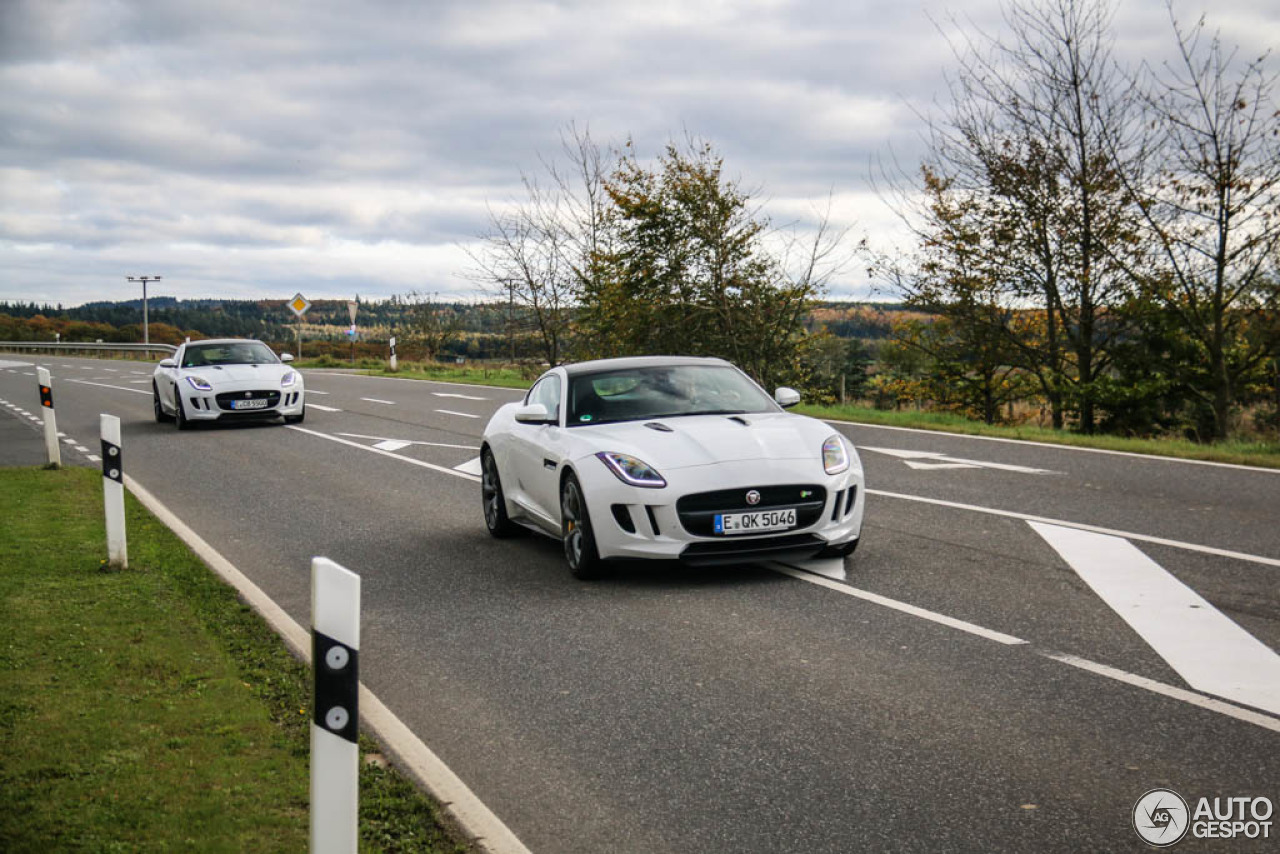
x,y
50,418
352,307
299,305
113,491
393,352
335,719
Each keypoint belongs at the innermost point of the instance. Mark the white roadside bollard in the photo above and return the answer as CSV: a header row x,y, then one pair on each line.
x,y
50,418
393,352
335,718
113,491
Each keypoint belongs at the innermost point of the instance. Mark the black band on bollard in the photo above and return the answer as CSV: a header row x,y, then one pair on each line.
x,y
46,397
112,462
337,697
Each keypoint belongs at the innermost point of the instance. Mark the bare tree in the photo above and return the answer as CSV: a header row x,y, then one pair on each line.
x,y
431,325
1211,205
1032,133
538,253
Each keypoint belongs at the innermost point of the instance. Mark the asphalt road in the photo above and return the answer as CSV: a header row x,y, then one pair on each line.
x,y
973,692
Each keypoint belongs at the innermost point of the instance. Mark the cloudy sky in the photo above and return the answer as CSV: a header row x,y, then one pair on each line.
x,y
258,148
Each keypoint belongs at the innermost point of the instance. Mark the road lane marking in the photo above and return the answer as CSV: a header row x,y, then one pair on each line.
x,y
104,385
1206,648
1210,703
1050,445
311,405
379,400
1128,535
932,616
372,450
404,443
462,414
316,391
461,396
470,467
936,460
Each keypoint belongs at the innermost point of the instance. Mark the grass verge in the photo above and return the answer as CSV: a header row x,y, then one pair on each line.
x,y
149,709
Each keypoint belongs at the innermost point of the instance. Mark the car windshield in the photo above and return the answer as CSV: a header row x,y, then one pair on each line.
x,y
237,353
664,391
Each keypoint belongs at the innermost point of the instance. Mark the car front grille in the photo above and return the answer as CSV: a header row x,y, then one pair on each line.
x,y
697,512
271,396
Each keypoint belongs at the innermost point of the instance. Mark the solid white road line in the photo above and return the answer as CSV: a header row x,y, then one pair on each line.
x,y
1052,445
1182,694
427,768
118,387
311,405
372,450
1128,535
462,396
462,414
411,442
932,616
1201,643
379,400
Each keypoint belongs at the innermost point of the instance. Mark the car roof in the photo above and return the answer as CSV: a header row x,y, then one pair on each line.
x,y
629,362
225,341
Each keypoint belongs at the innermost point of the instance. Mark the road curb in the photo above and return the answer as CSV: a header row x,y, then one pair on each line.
x,y
412,755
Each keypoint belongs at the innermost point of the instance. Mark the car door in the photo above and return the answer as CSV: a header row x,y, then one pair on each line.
x,y
537,452
167,382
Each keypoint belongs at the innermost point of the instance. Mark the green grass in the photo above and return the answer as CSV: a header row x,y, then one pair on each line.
x,y
148,709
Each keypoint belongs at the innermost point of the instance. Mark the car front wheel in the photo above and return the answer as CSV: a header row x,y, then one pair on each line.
x,y
575,528
495,504
179,414
161,415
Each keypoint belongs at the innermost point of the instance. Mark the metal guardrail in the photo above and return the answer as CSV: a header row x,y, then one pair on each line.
x,y
37,346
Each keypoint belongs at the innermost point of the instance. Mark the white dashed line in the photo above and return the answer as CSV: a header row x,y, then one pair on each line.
x,y
462,396
379,400
459,414
311,405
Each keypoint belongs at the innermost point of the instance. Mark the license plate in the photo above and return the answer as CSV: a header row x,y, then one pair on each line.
x,y
260,403
755,522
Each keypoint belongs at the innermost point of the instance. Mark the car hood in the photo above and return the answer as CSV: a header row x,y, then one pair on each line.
x,y
706,439
239,374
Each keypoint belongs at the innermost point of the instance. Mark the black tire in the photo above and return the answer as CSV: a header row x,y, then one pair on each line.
x,y
162,417
179,414
575,528
492,500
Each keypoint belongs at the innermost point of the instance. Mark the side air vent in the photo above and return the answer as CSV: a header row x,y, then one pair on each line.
x,y
622,515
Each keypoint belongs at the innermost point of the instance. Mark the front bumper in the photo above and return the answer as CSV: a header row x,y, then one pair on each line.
x,y
215,405
630,522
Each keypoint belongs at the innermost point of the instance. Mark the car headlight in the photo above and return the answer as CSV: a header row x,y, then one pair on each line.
x,y
288,379
199,384
631,471
835,456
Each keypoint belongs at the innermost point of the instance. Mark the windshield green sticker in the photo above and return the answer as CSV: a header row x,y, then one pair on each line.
x,y
586,417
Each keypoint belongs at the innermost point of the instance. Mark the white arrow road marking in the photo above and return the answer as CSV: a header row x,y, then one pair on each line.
x,y
470,467
940,460
462,414
321,408
462,396
379,400
1201,643
404,443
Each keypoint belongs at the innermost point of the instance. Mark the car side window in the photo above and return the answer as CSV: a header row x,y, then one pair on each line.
x,y
547,392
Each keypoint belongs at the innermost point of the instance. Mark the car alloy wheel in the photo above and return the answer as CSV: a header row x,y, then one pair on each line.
x,y
495,505
161,415
179,414
575,526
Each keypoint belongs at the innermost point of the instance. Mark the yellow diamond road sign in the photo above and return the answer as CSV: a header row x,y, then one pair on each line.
x,y
299,304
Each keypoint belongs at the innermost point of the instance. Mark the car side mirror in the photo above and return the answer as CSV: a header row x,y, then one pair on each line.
x,y
533,413
168,363
286,357
786,397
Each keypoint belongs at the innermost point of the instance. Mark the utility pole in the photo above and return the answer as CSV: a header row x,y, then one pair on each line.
x,y
146,325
